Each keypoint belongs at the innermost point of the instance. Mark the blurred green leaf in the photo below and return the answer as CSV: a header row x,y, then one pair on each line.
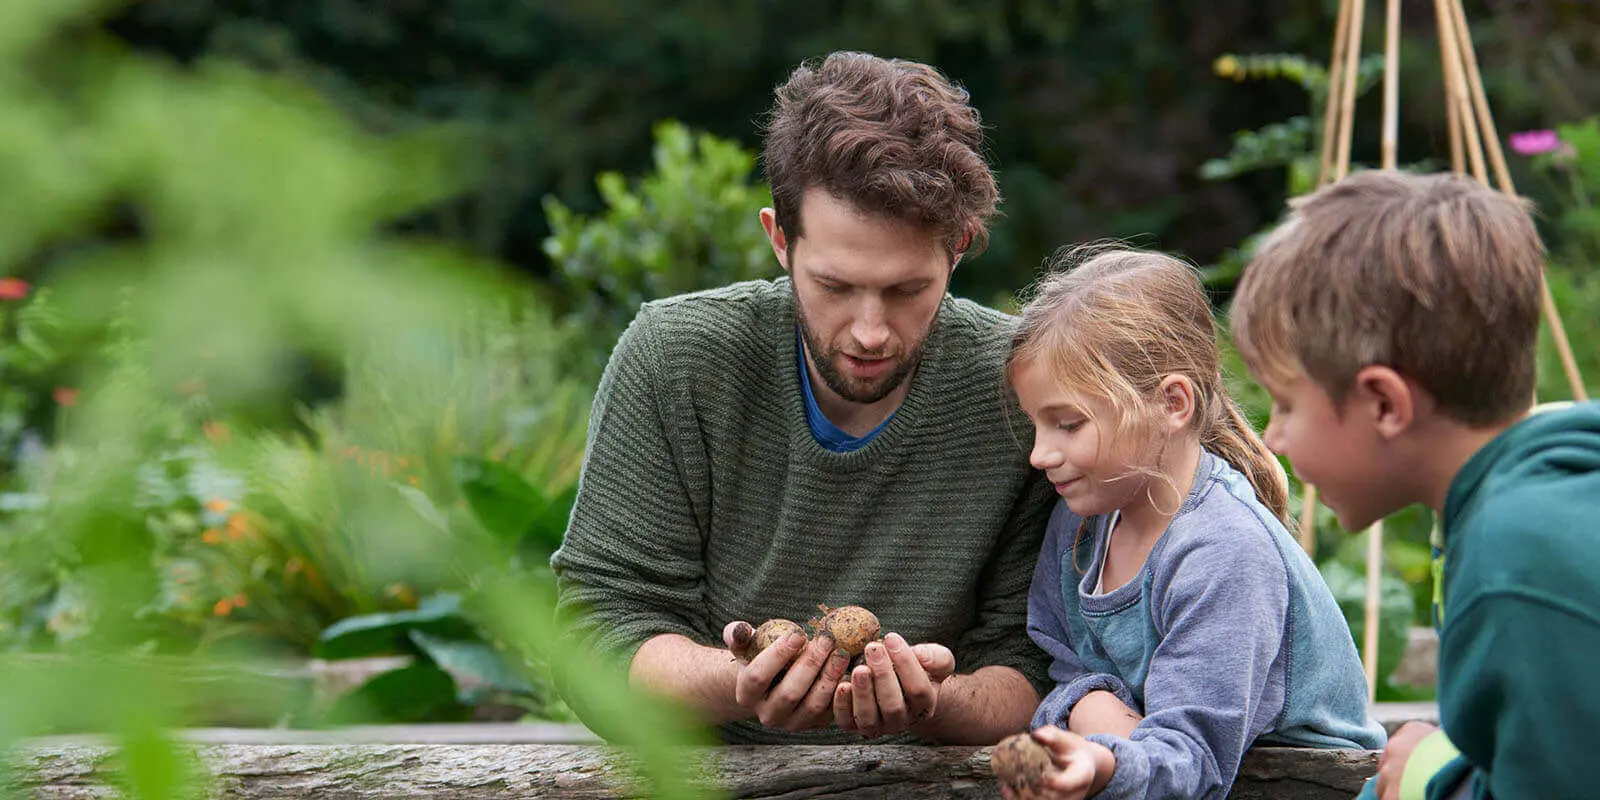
x,y
505,504
421,692
390,632
474,661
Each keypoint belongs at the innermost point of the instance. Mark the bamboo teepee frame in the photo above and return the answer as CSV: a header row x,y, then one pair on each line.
x,y
1472,136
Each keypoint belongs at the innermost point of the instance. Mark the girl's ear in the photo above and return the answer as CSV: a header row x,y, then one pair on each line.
x,y
1178,395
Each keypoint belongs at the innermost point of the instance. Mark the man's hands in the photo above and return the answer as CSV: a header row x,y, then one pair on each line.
x,y
1081,768
897,687
797,686
1392,764
790,685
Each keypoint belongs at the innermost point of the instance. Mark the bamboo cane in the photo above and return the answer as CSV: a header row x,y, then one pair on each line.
x,y
1330,116
1308,521
1480,103
1391,86
1456,83
1347,103
1369,637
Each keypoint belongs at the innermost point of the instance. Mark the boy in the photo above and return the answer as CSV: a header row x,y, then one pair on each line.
x,y
1394,320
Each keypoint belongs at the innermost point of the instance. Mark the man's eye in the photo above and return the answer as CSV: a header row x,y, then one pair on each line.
x,y
832,288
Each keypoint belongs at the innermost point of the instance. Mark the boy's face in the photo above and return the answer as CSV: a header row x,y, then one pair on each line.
x,y
1340,450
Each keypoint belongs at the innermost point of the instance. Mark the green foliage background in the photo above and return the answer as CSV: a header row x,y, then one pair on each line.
x,y
1102,112
315,293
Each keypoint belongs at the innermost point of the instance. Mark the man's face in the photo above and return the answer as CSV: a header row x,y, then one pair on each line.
x,y
866,291
1337,450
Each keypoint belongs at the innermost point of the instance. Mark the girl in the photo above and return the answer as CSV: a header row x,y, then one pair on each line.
x,y
1184,622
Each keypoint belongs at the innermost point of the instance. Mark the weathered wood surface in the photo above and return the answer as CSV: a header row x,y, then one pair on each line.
x,y
502,772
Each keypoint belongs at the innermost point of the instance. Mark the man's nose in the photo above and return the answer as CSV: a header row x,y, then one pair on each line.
x,y
871,330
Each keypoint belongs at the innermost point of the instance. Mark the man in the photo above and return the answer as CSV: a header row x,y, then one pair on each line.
x,y
838,436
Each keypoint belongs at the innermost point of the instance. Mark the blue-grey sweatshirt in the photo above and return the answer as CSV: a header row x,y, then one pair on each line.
x,y
1228,635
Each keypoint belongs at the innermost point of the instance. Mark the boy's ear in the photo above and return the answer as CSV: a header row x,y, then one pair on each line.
x,y
775,235
1387,399
1177,392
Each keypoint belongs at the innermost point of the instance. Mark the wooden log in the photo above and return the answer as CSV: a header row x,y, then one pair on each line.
x,y
502,772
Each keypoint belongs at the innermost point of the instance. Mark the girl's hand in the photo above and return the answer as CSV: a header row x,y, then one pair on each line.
x,y
1082,768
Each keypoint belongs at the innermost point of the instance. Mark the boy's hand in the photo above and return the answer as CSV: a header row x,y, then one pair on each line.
x,y
1082,768
1392,764
896,689
790,684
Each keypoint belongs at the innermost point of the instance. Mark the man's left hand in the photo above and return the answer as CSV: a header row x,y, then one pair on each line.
x,y
896,689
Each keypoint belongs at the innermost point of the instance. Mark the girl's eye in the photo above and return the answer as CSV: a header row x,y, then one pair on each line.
x,y
1070,427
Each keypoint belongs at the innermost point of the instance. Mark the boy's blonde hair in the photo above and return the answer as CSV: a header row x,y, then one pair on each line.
x,y
1114,326
1434,276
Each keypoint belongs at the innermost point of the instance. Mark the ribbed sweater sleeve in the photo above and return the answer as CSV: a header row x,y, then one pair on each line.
x,y
631,566
1003,595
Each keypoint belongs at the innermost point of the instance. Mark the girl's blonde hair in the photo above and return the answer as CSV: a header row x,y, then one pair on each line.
x,y
1113,322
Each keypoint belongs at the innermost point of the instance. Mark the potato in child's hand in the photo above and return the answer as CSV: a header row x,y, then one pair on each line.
x,y
1020,762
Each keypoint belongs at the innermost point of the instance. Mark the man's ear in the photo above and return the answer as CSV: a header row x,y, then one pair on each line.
x,y
775,235
1178,397
1387,399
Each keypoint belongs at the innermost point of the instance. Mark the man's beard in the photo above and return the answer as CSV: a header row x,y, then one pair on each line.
x,y
850,389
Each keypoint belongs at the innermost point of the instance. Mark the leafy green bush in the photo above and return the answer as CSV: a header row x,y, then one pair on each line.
x,y
690,224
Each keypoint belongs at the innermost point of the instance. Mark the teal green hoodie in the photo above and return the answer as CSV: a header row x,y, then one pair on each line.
x,y
1519,638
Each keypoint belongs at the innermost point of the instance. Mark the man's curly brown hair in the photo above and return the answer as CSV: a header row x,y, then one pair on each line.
x,y
890,137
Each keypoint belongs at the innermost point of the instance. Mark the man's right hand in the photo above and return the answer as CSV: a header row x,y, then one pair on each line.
x,y
790,684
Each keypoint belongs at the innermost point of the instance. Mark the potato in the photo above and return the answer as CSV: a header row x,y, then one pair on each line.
x,y
851,627
1020,762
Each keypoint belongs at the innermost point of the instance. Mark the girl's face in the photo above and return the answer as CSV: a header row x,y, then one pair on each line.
x,y
1075,445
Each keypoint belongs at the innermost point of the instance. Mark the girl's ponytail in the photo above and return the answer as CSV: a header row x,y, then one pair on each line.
x,y
1230,436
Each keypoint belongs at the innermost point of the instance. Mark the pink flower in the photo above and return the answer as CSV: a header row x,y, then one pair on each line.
x,y
1532,143
65,396
13,288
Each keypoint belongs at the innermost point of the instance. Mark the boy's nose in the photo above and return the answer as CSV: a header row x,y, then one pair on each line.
x,y
1272,437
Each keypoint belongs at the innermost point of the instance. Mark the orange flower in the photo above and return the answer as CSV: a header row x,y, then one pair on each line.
x,y
241,600
14,289
413,480
211,536
219,505
223,608
240,526
65,396
216,432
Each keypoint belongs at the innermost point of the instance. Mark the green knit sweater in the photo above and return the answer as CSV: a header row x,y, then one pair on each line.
x,y
704,497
